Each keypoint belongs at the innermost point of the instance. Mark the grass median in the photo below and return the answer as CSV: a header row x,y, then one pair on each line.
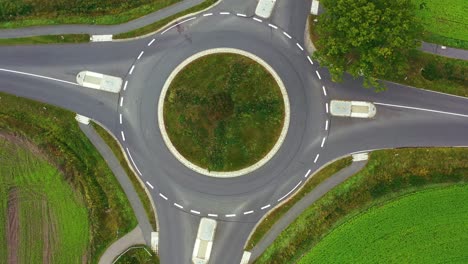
x,y
163,22
113,145
57,135
224,112
262,229
47,39
389,174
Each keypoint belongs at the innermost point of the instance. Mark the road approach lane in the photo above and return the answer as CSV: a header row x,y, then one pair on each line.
x,y
183,196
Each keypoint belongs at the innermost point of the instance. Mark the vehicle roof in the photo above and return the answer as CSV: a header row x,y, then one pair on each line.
x,y
206,229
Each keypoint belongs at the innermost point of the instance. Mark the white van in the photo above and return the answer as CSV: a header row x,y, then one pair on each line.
x,y
204,242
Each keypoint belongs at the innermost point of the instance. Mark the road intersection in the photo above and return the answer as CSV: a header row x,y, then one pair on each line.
x,y
405,116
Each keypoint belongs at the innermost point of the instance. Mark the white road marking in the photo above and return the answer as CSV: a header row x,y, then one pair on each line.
x,y
287,35
310,60
121,101
207,14
178,205
120,117
266,206
292,190
230,215
299,46
316,158
213,215
272,26
422,109
195,212
241,15
324,91
163,196
131,69
123,135
257,19
175,25
133,162
248,212
307,173
150,185
141,54
323,142
224,13
38,76
318,75
326,125
326,107
151,42
125,85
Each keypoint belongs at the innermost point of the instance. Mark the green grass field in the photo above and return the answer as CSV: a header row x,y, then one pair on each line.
x,y
430,226
57,135
14,14
224,112
445,22
389,174
139,255
42,218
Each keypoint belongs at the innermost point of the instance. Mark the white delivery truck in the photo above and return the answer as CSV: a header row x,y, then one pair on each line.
x,y
99,81
352,109
204,242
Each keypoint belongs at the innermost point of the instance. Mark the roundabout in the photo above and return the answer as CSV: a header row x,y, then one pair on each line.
x,y
227,123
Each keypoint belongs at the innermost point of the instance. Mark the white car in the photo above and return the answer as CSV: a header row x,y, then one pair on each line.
x,y
99,81
352,109
265,8
204,242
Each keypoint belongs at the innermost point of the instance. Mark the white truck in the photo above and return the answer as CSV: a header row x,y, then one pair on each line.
x,y
265,8
99,81
204,242
352,109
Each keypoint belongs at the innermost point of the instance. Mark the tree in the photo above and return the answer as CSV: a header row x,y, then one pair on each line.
x,y
371,38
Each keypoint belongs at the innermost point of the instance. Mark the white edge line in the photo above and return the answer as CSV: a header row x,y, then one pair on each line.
x,y
175,25
318,75
292,190
213,215
150,185
178,205
307,173
207,14
316,158
287,35
134,165
272,26
195,212
121,101
422,109
141,54
131,69
151,42
163,196
120,118
230,215
326,107
38,76
125,85
326,125
248,212
299,46
310,60
266,206
323,142
123,135
257,19
324,91
241,15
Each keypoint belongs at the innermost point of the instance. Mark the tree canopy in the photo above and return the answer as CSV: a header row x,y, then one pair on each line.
x,y
371,38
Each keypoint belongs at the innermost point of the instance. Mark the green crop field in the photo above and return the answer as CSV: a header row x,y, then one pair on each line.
x,y
224,112
42,219
446,22
430,226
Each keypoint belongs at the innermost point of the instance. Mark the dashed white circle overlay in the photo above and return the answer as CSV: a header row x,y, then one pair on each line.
x,y
223,174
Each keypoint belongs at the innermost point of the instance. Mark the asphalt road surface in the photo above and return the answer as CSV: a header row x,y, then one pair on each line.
x,y
405,116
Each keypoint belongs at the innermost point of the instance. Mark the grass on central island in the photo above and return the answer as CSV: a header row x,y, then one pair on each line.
x,y
428,226
224,112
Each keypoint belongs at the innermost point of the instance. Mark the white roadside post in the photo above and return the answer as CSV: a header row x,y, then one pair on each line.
x,y
82,119
154,241
245,257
